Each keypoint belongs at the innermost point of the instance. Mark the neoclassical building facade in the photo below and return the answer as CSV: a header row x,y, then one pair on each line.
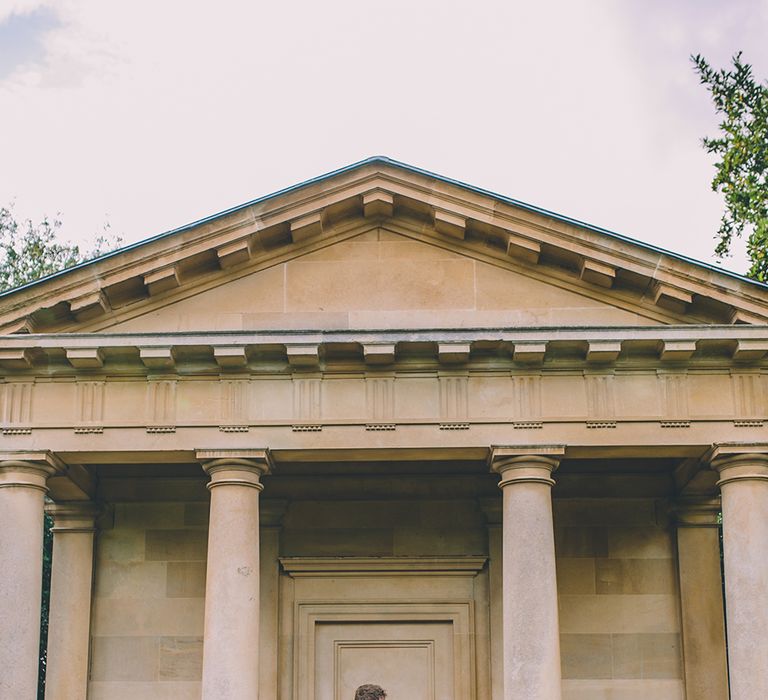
x,y
384,427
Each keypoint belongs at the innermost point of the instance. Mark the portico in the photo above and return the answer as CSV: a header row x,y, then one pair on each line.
x,y
384,428
524,558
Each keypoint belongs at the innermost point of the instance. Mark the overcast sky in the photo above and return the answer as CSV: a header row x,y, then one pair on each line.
x,y
150,114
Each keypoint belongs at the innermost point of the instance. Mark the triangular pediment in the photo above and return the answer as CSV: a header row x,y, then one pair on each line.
x,y
382,279
382,245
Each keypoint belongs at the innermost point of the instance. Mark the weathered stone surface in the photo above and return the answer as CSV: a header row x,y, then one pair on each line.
x,y
376,341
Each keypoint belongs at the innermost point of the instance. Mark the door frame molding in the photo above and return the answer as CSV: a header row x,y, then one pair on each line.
x,y
452,600
460,613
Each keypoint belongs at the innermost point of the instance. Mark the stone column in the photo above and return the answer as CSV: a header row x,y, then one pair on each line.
x,y
232,600
531,635
23,478
492,510
272,512
743,471
701,599
70,607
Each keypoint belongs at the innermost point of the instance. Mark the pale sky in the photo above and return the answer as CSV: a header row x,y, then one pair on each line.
x,y
151,114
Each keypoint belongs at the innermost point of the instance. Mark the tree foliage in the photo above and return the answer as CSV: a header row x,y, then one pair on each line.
x,y
45,604
742,149
29,251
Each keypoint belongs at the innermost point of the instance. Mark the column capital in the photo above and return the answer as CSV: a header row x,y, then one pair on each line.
x,y
73,516
235,467
29,469
697,512
739,461
526,463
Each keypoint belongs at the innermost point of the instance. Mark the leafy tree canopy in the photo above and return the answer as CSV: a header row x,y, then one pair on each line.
x,y
29,251
742,149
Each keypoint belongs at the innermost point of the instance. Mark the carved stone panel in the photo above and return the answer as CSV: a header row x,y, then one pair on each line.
x,y
89,407
17,408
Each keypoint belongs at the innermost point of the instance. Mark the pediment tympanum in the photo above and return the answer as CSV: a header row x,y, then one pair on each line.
x,y
381,279
381,244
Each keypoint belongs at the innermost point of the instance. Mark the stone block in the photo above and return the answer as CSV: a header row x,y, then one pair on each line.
x,y
581,542
143,516
603,511
351,250
586,656
384,588
131,579
623,690
336,543
155,617
104,690
295,320
176,545
627,659
220,308
448,513
563,397
120,545
404,249
343,399
366,515
196,514
710,395
640,543
647,656
576,576
633,576
398,283
490,398
597,614
271,400
637,396
439,542
180,659
118,658
417,398
185,579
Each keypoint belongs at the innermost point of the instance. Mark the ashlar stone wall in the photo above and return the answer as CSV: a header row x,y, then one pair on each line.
x,y
619,600
383,528
147,629
617,582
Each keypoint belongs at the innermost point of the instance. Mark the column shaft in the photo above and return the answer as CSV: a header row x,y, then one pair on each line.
x,y
232,601
22,492
70,607
744,487
271,516
701,600
531,636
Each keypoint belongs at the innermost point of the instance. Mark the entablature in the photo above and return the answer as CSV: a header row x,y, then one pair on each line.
x,y
269,352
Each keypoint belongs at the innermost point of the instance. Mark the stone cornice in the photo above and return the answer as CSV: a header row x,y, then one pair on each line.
x,y
727,450
73,516
595,347
381,566
293,223
697,511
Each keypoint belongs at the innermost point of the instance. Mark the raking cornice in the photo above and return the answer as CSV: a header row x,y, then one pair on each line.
x,y
374,193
